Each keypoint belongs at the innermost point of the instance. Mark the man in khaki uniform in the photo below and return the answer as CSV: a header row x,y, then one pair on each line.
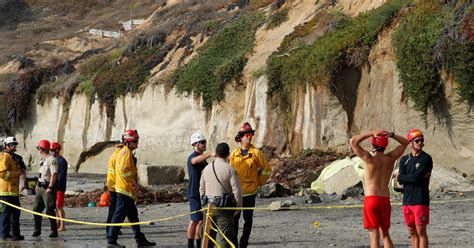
x,y
45,189
218,179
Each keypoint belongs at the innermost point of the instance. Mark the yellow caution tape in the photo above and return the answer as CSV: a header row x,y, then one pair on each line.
x,y
150,222
222,233
212,240
332,207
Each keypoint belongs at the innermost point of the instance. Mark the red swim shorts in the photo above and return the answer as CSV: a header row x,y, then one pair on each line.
x,y
60,199
377,211
416,215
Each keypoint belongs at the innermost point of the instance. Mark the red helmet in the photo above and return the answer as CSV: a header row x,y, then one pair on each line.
x,y
44,144
130,135
413,134
55,145
246,128
379,141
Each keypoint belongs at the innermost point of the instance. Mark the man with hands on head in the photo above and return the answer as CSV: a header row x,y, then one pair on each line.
x,y
378,171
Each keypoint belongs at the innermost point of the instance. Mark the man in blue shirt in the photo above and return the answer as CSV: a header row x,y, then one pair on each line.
x,y
196,164
60,184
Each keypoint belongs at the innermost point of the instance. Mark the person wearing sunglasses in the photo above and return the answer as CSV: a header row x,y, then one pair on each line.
x,y
10,172
378,172
254,170
126,187
196,164
414,175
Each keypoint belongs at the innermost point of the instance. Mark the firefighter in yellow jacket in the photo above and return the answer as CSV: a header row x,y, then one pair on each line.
x,y
111,182
126,186
254,170
9,179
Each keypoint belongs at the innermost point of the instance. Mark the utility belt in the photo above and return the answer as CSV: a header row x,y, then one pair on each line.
x,y
43,185
225,200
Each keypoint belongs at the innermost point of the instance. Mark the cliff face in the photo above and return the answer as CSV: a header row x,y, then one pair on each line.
x,y
322,117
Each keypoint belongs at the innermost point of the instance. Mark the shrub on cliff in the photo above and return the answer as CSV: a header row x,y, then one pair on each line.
x,y
426,42
347,44
219,61
457,53
277,18
415,41
126,76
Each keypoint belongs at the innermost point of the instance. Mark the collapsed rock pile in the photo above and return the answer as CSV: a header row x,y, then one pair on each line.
x,y
170,193
299,172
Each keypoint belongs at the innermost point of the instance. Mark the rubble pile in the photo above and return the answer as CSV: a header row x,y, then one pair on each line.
x,y
148,195
299,172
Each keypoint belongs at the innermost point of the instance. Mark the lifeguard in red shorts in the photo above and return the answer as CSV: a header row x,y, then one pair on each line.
x,y
60,184
414,175
378,171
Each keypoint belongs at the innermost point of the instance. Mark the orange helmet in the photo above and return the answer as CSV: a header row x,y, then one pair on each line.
x,y
55,145
44,144
413,134
379,141
130,135
246,128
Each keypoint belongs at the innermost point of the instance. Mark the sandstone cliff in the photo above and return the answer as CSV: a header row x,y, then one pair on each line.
x,y
364,98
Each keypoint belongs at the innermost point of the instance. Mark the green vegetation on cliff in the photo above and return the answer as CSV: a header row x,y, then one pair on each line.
x,y
415,41
348,44
219,61
126,76
280,16
427,41
458,53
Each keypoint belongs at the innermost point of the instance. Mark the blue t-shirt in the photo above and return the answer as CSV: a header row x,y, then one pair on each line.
x,y
194,173
62,174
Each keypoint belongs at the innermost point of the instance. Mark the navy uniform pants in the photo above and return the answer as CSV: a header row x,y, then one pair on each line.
x,y
10,217
125,208
113,204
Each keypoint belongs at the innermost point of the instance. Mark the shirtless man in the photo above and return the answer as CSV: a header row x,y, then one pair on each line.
x,y
378,171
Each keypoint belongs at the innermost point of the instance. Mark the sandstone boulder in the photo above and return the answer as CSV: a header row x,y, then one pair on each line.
x,y
160,174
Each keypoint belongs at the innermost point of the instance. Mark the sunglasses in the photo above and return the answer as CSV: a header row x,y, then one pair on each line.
x,y
248,135
418,140
202,142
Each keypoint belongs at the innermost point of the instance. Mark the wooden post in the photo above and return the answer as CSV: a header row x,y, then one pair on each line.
x,y
207,225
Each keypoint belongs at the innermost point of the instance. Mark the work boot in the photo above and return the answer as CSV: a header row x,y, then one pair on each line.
x,y
7,237
145,243
36,233
18,238
54,234
114,244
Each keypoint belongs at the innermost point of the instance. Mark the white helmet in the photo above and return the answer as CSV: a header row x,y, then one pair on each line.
x,y
196,137
8,141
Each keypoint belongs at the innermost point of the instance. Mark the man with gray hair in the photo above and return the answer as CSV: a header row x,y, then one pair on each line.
x,y
221,185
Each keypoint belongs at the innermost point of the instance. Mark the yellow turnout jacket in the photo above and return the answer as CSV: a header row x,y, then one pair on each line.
x,y
111,170
253,169
126,173
9,175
